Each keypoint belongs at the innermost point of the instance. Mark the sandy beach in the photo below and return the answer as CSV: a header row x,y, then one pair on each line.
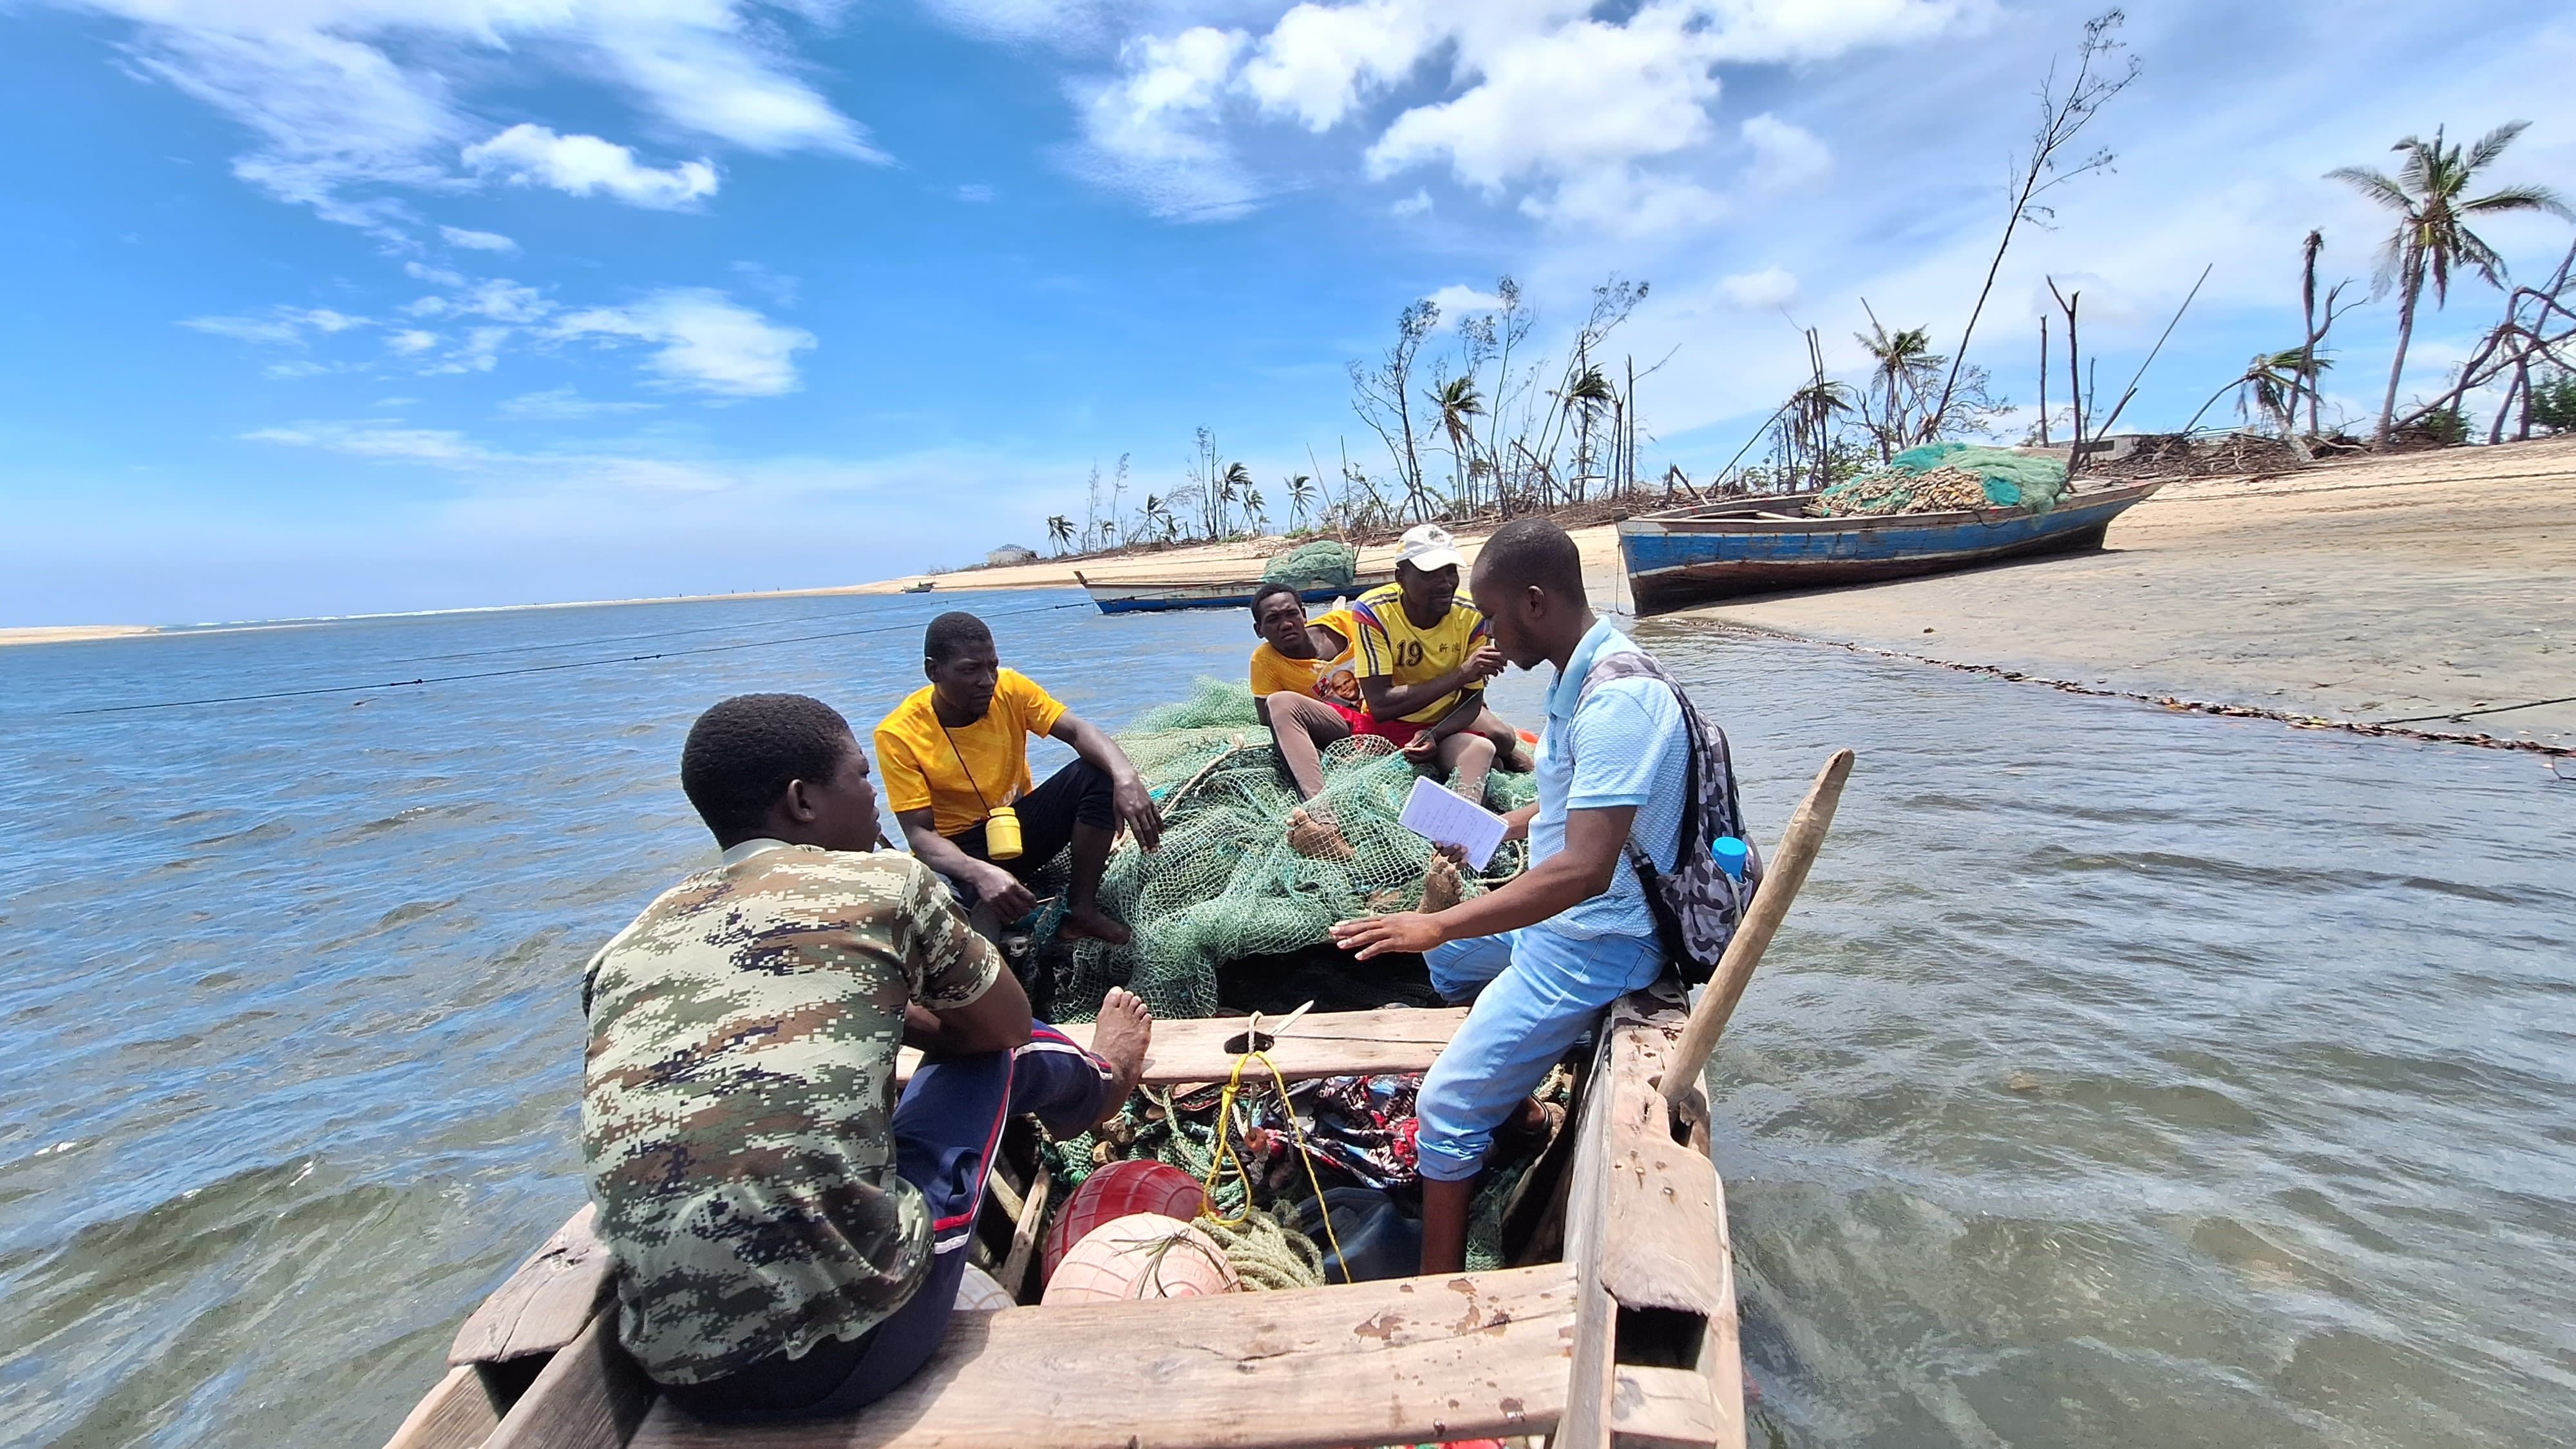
x,y
2364,591
71,633
1209,563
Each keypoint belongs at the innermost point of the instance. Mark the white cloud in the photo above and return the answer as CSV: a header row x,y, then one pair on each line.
x,y
1626,203
1783,154
412,341
1458,299
1759,291
346,96
562,404
480,352
279,325
1599,123
1557,101
708,342
531,155
1414,205
1317,62
1153,129
476,241
379,440
1801,30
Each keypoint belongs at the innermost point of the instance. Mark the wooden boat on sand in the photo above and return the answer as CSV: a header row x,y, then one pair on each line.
x,y
1690,555
1616,1325
1144,596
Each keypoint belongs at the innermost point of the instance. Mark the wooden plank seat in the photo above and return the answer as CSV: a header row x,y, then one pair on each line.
x,y
1402,1361
1392,1039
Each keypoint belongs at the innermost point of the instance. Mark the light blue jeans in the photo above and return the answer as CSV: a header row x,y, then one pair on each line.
x,y
1542,991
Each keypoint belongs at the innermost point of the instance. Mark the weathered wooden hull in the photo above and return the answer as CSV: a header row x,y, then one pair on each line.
x,y
1138,596
1630,1337
1761,545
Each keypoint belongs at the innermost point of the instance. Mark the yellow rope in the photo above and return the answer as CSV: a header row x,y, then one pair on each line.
x,y
1224,1153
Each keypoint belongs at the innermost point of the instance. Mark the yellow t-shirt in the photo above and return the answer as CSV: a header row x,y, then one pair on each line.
x,y
1390,647
1273,671
959,771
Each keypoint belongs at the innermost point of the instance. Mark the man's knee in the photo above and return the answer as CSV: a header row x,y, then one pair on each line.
x,y
1471,749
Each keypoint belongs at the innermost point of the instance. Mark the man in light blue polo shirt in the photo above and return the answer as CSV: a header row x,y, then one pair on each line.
x,y
1556,945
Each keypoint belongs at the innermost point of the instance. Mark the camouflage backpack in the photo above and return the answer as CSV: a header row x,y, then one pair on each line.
x,y
1697,904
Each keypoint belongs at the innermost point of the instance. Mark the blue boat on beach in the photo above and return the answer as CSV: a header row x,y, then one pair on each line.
x,y
1154,596
1766,544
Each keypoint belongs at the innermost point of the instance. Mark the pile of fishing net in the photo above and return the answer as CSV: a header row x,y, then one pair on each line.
x,y
1323,564
1945,477
1228,883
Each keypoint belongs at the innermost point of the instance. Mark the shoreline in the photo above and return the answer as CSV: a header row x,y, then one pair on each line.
x,y
2380,596
72,633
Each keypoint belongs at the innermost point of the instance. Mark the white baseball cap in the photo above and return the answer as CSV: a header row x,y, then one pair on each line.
x,y
1428,546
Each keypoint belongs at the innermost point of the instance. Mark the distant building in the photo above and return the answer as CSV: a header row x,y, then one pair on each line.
x,y
1011,553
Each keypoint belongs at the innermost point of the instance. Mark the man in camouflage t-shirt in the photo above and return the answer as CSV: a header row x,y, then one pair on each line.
x,y
788,1240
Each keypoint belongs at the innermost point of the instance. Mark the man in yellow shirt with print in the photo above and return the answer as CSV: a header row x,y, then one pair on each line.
x,y
957,750
1424,657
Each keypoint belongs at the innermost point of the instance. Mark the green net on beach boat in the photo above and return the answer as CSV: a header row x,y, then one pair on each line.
x,y
1323,564
1227,884
1942,477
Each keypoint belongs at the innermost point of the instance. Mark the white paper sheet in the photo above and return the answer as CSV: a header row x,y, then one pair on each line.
x,y
1445,817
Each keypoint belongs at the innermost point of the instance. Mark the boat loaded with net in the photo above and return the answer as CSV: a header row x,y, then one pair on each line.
x,y
1933,508
1319,570
1598,1303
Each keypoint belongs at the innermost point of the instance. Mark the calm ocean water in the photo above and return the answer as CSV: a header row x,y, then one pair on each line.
x,y
2125,1078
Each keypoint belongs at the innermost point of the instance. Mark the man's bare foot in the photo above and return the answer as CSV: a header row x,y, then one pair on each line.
x,y
1518,760
1314,835
1088,922
1441,887
1120,1037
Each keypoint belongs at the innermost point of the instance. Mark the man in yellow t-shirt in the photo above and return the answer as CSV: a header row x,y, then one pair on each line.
x,y
1424,657
1303,682
959,746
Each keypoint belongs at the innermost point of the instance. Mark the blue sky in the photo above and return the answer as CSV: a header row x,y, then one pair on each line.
x,y
334,306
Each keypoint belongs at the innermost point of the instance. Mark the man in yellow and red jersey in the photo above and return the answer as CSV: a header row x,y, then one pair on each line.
x,y
1424,655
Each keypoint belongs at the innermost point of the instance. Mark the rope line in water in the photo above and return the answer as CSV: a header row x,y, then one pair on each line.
x,y
2466,713
531,668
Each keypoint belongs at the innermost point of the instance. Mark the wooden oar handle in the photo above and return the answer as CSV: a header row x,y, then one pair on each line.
x,y
1783,874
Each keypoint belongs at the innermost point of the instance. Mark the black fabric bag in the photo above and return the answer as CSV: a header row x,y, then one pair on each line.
x,y
1696,905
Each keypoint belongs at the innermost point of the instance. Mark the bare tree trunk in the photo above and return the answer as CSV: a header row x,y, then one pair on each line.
x,y
2414,284
2524,381
2308,311
2074,378
2043,379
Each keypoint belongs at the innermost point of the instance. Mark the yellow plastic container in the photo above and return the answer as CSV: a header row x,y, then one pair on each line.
x,y
1002,834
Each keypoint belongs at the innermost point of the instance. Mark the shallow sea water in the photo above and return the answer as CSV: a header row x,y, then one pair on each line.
x,y
2124,1078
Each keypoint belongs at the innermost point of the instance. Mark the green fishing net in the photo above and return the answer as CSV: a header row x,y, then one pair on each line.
x,y
1227,883
1323,564
1940,477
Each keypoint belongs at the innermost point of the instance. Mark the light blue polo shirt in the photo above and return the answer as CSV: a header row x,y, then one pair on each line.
x,y
1626,745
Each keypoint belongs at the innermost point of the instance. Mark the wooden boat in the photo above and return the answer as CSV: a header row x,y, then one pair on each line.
x,y
1766,543
1142,596
1615,1326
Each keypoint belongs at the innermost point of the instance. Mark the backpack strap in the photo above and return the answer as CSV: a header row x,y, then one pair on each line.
x,y
1638,664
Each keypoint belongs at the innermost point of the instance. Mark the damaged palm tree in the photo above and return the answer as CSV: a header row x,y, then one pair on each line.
x,y
2429,193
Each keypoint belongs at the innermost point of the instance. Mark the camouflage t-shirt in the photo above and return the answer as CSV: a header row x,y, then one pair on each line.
x,y
737,1104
